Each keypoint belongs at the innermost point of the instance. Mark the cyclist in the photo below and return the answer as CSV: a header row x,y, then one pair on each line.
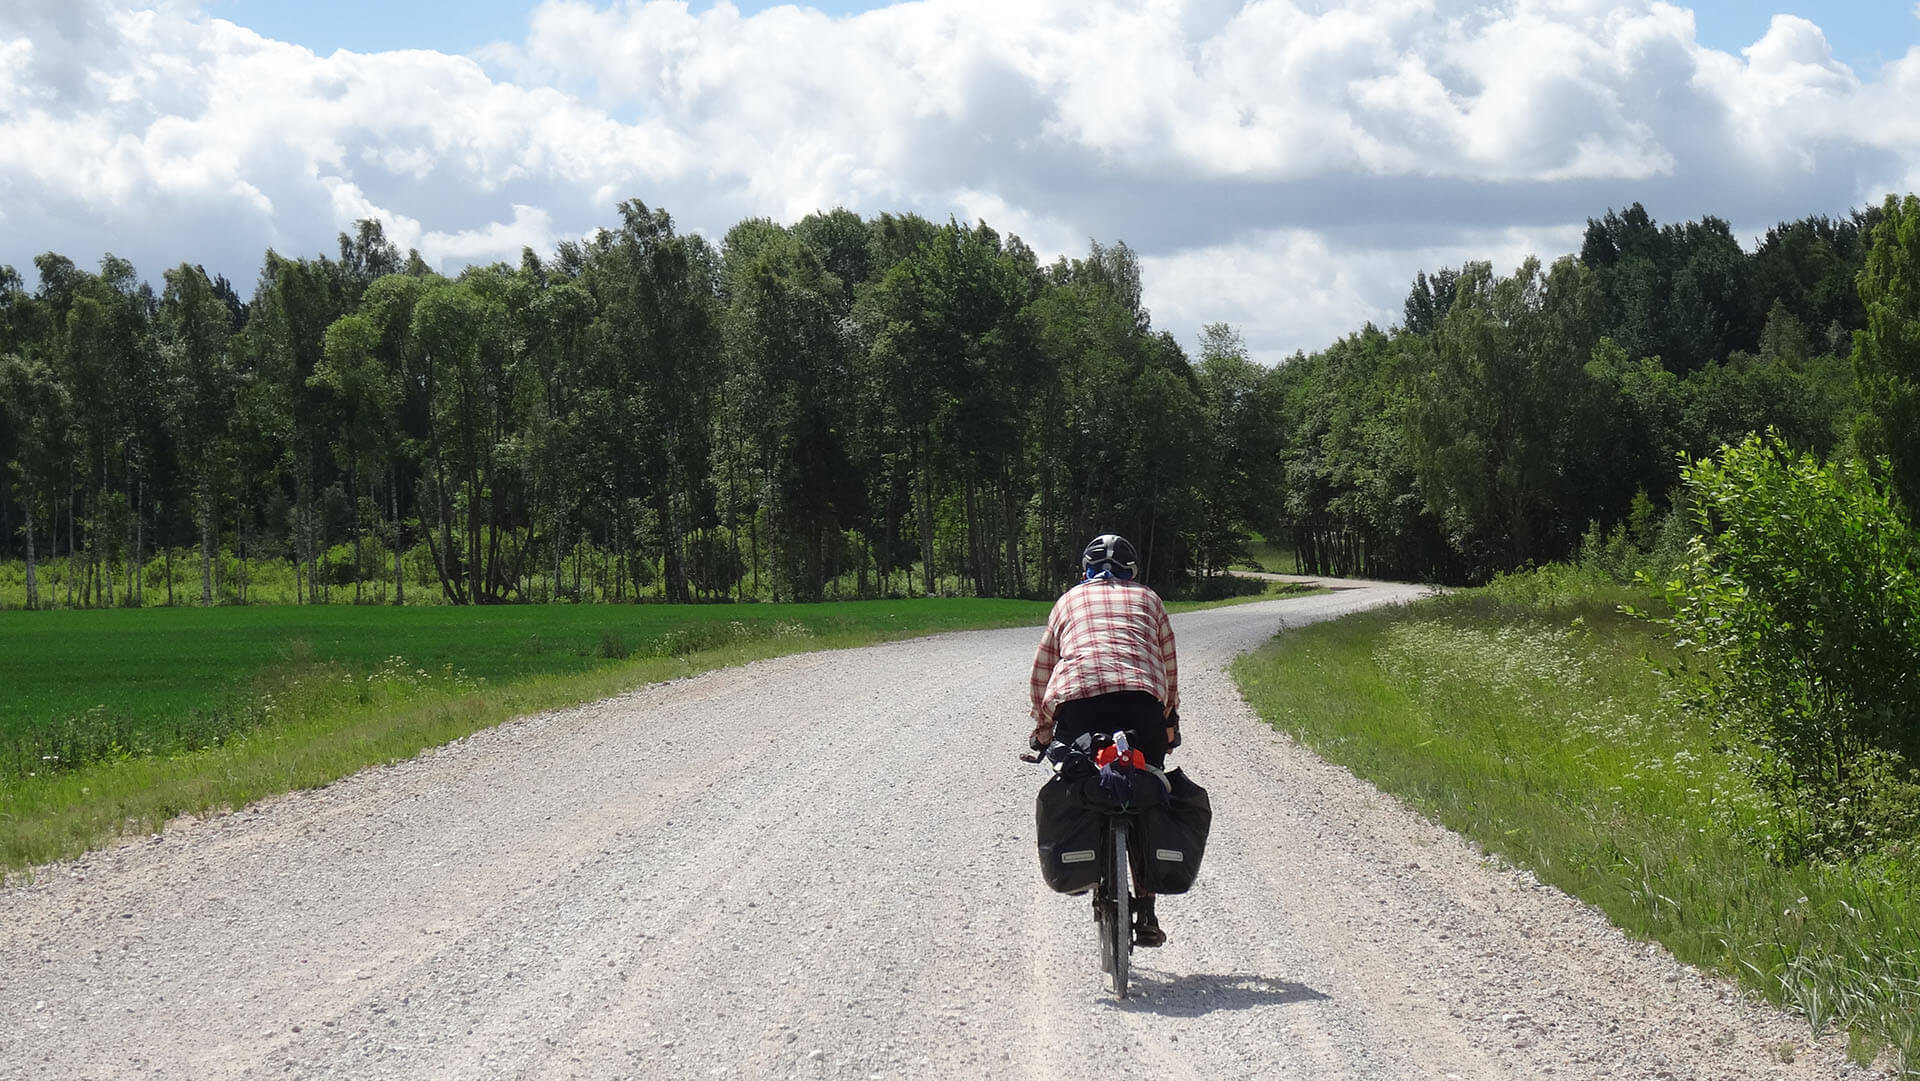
x,y
1106,664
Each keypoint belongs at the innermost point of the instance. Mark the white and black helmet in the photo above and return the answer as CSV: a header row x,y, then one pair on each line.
x,y
1109,553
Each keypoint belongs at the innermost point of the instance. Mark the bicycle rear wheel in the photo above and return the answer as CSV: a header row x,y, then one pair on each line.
x,y
1119,937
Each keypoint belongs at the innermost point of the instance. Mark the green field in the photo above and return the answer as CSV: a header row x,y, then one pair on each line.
x,y
1538,729
116,721
80,683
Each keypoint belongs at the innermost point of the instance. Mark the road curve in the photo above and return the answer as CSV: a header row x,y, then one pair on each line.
x,y
822,866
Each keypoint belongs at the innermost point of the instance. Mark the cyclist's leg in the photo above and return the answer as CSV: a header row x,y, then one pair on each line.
x,y
1140,713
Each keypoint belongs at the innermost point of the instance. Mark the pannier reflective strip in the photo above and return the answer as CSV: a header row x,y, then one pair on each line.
x,y
1085,855
1171,855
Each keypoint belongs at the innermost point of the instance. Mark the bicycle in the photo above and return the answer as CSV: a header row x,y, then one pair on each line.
x,y
1112,891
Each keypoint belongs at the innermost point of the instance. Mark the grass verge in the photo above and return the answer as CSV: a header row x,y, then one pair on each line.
x,y
1535,727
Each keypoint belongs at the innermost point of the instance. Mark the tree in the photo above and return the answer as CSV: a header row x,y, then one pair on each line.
x,y
1430,299
793,359
1886,355
1242,482
455,332
295,303
35,448
203,382
1505,433
658,347
1801,592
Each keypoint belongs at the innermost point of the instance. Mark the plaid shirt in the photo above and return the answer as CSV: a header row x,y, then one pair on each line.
x,y
1104,635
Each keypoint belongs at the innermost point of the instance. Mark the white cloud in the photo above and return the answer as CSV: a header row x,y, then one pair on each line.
x,y
1283,164
1291,290
531,227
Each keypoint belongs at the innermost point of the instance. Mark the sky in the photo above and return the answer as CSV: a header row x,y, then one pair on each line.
x,y
1284,166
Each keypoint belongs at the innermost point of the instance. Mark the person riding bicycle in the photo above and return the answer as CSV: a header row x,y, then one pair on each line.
x,y
1106,664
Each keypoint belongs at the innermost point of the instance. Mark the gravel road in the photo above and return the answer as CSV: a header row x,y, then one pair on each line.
x,y
822,866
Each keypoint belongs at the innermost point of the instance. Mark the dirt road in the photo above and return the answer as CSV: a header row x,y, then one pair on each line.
x,y
822,867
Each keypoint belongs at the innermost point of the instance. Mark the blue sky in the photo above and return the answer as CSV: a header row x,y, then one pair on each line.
x,y
1865,33
452,26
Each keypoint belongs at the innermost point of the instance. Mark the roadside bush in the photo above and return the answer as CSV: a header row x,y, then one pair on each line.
x,y
1800,601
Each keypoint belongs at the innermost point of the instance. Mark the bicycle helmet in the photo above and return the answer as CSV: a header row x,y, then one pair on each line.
x,y
1110,555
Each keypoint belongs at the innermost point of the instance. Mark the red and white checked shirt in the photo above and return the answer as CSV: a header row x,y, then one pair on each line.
x,y
1104,635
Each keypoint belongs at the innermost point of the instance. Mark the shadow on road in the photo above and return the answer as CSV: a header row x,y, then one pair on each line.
x,y
1193,995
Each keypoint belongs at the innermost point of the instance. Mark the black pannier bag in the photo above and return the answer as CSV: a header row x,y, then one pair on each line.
x,y
1069,837
1173,836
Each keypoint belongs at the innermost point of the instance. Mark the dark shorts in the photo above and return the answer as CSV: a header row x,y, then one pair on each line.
x,y
1122,711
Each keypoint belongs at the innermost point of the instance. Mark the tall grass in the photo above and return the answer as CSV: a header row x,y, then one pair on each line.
x,y
1527,718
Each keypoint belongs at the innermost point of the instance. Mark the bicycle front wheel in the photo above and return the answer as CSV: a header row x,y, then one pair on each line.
x,y
1120,928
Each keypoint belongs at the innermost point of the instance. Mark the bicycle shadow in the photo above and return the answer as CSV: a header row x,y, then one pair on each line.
x,y
1204,993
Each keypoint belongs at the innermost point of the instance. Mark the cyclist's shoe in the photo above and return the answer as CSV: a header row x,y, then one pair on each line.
x,y
1146,928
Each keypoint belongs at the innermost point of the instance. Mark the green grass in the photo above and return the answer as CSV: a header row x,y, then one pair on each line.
x,y
1533,725
119,720
151,680
1274,557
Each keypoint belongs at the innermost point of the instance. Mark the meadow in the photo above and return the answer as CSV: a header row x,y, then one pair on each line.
x,y
1538,725
116,721
82,685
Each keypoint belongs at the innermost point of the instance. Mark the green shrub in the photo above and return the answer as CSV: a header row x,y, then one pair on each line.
x,y
1799,601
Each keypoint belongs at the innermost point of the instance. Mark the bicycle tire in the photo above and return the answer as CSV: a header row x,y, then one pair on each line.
x,y
1120,931
1103,907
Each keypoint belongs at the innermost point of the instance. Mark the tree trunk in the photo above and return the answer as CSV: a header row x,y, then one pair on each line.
x,y
33,578
205,508
103,560
1146,557
926,523
239,552
354,484
979,568
393,508
135,536
69,574
302,586
1014,579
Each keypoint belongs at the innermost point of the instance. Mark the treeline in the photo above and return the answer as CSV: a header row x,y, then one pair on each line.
x,y
884,406
1510,416
891,405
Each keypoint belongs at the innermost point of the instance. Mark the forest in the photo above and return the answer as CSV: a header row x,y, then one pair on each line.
x,y
890,406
